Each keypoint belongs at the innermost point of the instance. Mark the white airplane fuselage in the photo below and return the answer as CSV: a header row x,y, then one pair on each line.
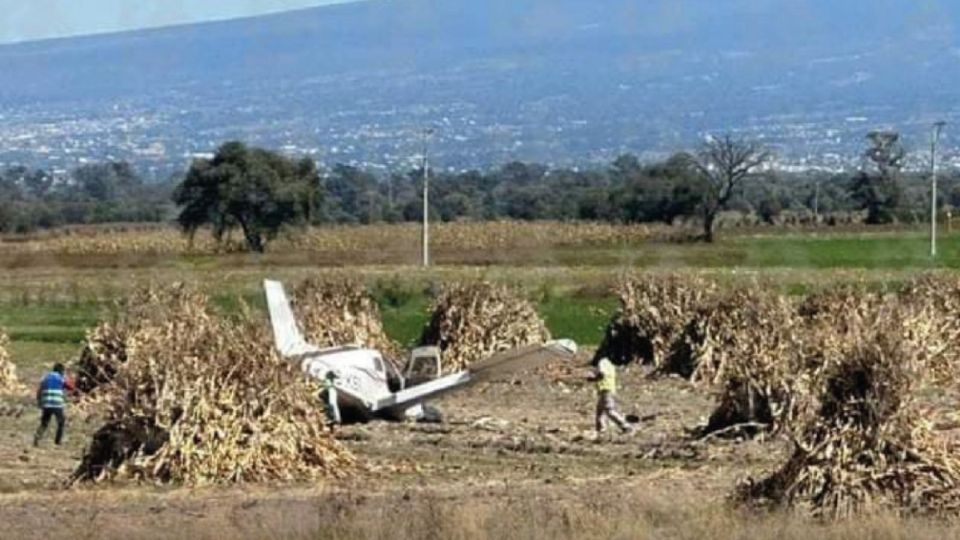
x,y
362,380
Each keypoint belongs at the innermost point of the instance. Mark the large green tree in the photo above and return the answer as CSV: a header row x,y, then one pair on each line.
x,y
257,190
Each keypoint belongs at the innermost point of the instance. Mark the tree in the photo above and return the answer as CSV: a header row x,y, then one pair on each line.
x,y
258,190
106,181
877,188
724,163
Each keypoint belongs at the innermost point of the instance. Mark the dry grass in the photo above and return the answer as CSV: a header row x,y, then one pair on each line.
x,y
544,513
338,239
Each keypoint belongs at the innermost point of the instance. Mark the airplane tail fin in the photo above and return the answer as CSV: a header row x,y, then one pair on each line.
x,y
286,335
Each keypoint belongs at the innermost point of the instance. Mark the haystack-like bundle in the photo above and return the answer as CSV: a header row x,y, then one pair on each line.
x,y
863,446
342,312
744,321
836,304
9,383
473,321
938,296
653,312
105,349
746,348
205,400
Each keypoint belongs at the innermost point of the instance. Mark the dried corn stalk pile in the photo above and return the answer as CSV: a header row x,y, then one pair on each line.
x,y
473,321
838,302
9,383
341,312
105,349
862,444
939,296
653,312
205,400
743,347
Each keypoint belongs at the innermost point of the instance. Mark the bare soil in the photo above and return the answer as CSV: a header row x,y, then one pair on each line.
x,y
514,458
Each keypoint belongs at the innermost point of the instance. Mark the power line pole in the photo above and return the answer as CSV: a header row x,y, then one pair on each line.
x,y
816,202
935,140
425,241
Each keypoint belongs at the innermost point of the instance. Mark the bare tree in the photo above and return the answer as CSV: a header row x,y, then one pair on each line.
x,y
724,163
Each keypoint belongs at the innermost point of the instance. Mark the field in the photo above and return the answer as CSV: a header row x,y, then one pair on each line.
x,y
515,458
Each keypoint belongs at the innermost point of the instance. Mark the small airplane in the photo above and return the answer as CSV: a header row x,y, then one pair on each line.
x,y
369,387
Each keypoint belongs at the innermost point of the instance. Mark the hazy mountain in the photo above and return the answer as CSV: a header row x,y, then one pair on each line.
x,y
539,79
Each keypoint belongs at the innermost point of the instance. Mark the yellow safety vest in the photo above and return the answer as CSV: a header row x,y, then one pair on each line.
x,y
608,376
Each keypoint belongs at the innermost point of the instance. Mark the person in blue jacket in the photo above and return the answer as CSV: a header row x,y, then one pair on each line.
x,y
52,402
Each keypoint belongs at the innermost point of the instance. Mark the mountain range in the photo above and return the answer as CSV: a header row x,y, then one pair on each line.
x,y
561,81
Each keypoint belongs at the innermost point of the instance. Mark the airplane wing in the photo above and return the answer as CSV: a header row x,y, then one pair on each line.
x,y
286,335
496,366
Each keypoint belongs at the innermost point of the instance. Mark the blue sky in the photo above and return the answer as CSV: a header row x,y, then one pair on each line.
x,y
24,20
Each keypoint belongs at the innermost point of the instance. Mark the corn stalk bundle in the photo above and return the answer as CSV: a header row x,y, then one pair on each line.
x,y
746,348
205,400
473,321
9,383
836,304
653,312
105,349
341,312
863,445
938,296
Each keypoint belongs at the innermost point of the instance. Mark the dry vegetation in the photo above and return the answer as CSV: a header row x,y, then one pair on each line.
x,y
839,373
337,239
9,382
864,446
105,349
340,311
200,399
473,321
653,312
747,348
841,377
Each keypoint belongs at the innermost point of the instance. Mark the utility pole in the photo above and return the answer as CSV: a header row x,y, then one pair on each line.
x,y
816,202
934,141
425,241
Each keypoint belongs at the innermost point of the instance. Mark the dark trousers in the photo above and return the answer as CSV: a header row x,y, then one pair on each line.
x,y
45,421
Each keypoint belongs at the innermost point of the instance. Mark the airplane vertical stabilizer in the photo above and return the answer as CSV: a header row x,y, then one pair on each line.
x,y
286,335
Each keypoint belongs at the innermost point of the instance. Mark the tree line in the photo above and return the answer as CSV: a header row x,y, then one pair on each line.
x,y
261,192
109,192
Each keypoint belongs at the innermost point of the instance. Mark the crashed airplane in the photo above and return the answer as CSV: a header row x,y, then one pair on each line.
x,y
369,387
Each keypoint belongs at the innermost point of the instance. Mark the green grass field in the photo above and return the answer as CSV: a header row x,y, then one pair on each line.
x,y
54,304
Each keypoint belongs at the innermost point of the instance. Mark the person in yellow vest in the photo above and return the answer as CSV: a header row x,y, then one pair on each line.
x,y
605,377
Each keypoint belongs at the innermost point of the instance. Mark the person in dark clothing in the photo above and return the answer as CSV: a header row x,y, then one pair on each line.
x,y
52,402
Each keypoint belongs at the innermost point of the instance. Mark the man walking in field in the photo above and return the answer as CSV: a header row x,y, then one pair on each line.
x,y
52,401
605,376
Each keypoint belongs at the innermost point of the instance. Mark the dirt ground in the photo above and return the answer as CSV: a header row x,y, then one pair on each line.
x,y
531,434
513,458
